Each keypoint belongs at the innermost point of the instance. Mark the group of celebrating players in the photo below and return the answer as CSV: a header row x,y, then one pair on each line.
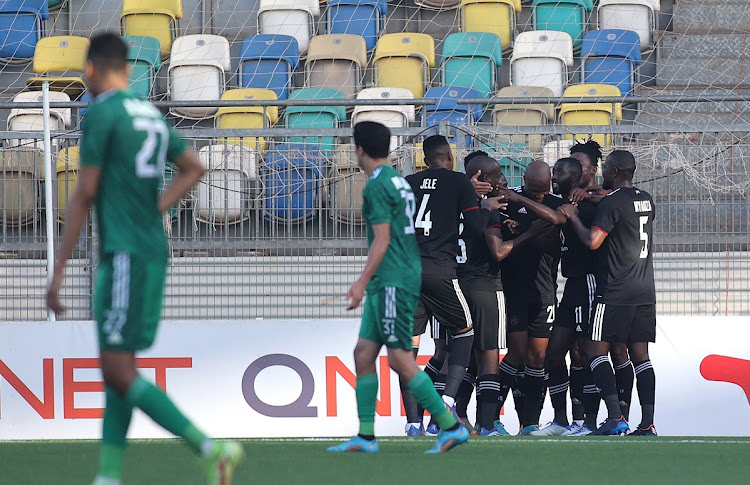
x,y
489,259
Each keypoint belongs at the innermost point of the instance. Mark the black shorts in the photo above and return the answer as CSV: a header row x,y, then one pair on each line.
x,y
489,316
533,316
574,310
622,323
436,332
444,300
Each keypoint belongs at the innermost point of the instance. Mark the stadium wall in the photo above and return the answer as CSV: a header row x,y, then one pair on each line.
x,y
293,378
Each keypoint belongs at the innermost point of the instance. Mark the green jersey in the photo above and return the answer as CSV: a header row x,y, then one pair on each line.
x,y
388,199
128,139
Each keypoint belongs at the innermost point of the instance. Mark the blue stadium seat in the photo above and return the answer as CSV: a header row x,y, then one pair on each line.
x,y
611,56
21,28
268,61
447,109
292,179
359,17
471,59
86,98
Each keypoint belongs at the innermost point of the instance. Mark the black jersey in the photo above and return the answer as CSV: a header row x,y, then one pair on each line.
x,y
530,271
625,274
576,260
475,263
442,195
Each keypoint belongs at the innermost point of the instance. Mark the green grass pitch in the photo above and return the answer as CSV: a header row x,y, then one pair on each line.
x,y
401,460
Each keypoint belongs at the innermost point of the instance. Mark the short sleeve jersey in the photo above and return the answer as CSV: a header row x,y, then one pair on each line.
x,y
442,195
128,139
625,273
387,198
529,271
577,260
475,263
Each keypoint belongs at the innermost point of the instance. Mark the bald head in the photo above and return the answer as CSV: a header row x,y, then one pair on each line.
x,y
537,180
491,172
619,168
622,160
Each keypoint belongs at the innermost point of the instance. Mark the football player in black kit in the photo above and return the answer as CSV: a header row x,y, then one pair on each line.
x,y
442,196
625,305
530,280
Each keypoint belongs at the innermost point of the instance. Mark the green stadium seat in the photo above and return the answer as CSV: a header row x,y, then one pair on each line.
x,y
144,57
471,60
306,117
571,16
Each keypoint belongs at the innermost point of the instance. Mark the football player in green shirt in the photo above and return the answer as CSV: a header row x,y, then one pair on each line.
x,y
124,147
392,278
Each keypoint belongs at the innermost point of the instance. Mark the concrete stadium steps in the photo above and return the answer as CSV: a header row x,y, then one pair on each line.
x,y
697,60
724,15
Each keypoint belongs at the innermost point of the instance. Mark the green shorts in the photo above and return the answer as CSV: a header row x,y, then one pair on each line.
x,y
388,317
127,301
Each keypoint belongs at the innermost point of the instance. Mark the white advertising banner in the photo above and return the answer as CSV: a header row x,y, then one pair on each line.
x,y
294,378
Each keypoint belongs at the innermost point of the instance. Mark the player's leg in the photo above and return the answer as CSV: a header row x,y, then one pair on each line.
x,y
488,309
643,332
558,384
576,382
624,376
514,362
414,425
540,328
465,390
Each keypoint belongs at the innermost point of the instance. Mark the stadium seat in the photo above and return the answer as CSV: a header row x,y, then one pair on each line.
x,y
347,183
197,72
494,16
404,61
359,17
66,167
64,54
336,61
289,17
32,119
307,117
390,116
636,15
555,150
247,117
223,195
269,62
21,28
53,4
583,113
571,16
447,109
471,59
152,18
542,58
523,114
292,178
144,57
438,4
20,185
611,57
418,156
513,158
86,98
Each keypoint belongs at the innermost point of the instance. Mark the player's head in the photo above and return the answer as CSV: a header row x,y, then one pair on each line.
x,y
106,63
372,143
475,153
536,180
566,175
437,152
619,168
588,153
491,172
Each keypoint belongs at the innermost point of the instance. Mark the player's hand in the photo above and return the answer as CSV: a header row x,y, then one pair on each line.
x,y
540,227
355,295
481,188
495,203
510,195
53,293
513,226
569,211
579,195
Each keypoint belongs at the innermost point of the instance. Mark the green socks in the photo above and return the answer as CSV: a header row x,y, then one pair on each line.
x,y
423,390
367,393
152,401
114,433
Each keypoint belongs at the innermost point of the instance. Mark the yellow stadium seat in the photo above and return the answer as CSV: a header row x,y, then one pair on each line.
x,y
504,114
404,61
494,16
596,114
247,117
21,173
152,18
418,157
63,54
66,167
336,61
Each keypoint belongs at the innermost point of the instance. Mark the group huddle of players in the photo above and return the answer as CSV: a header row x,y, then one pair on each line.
x,y
490,256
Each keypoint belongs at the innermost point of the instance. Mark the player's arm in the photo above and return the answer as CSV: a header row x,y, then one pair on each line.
x,y
75,216
542,211
592,238
501,249
190,171
378,248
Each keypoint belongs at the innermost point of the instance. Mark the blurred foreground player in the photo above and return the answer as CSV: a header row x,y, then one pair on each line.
x,y
391,277
124,148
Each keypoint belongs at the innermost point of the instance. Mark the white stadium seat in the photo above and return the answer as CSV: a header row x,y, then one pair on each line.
x,y
542,58
223,196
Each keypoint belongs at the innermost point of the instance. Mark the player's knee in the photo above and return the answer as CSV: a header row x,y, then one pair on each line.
x,y
118,379
535,359
619,354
